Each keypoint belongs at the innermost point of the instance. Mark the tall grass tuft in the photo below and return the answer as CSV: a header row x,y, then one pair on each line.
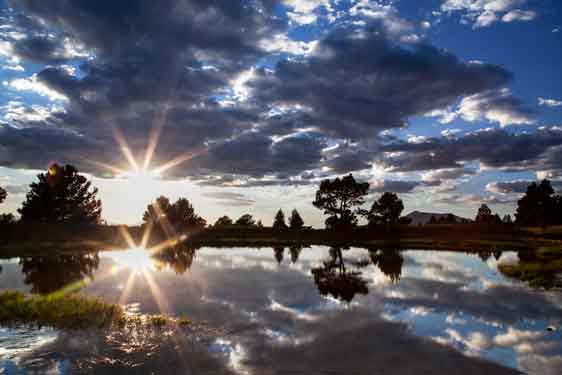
x,y
68,311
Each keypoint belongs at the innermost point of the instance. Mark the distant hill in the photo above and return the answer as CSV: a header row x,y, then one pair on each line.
x,y
419,217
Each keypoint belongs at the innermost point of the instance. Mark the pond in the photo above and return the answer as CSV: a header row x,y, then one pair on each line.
x,y
294,311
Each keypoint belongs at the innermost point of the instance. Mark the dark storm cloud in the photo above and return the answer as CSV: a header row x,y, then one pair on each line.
x,y
168,64
256,155
43,146
494,148
357,82
152,64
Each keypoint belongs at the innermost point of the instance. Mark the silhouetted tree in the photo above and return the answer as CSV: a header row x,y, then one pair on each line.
x,y
539,206
386,210
259,224
507,219
61,195
341,199
484,215
5,219
246,220
279,221
451,219
223,221
179,215
296,221
432,220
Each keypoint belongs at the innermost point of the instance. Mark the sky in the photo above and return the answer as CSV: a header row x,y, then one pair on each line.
x,y
245,106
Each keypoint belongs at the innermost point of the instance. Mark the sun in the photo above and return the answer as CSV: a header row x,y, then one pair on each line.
x,y
141,176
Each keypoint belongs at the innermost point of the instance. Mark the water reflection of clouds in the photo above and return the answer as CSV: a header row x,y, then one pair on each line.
x,y
280,323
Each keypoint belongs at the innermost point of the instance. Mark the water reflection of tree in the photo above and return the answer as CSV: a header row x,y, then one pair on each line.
x,y
389,262
295,251
333,278
278,253
47,274
178,258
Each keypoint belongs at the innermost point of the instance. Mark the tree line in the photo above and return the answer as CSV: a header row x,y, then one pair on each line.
x,y
62,195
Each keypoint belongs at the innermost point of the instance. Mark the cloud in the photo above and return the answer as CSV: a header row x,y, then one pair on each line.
x,y
120,72
550,102
519,15
291,155
230,198
493,148
495,106
516,186
483,13
33,84
448,174
399,186
304,11
348,87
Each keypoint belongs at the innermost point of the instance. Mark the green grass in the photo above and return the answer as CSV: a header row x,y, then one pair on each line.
x,y
73,311
59,311
541,272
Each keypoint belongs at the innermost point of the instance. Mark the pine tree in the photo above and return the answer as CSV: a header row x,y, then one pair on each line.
x,y
61,196
279,221
296,221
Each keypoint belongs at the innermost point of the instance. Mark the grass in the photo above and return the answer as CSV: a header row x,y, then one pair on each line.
x,y
59,311
542,270
73,311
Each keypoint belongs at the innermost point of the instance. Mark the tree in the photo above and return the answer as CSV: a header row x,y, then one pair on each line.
x,y
296,221
507,219
538,206
279,221
157,210
385,210
3,194
451,219
259,224
484,215
432,220
246,220
61,195
179,215
341,199
223,221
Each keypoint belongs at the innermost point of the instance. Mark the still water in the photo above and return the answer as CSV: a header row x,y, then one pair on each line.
x,y
294,310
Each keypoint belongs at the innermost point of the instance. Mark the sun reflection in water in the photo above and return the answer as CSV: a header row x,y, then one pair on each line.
x,y
136,260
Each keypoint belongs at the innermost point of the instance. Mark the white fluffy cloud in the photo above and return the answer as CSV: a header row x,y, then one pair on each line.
x,y
550,102
483,13
303,10
519,15
495,106
32,84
